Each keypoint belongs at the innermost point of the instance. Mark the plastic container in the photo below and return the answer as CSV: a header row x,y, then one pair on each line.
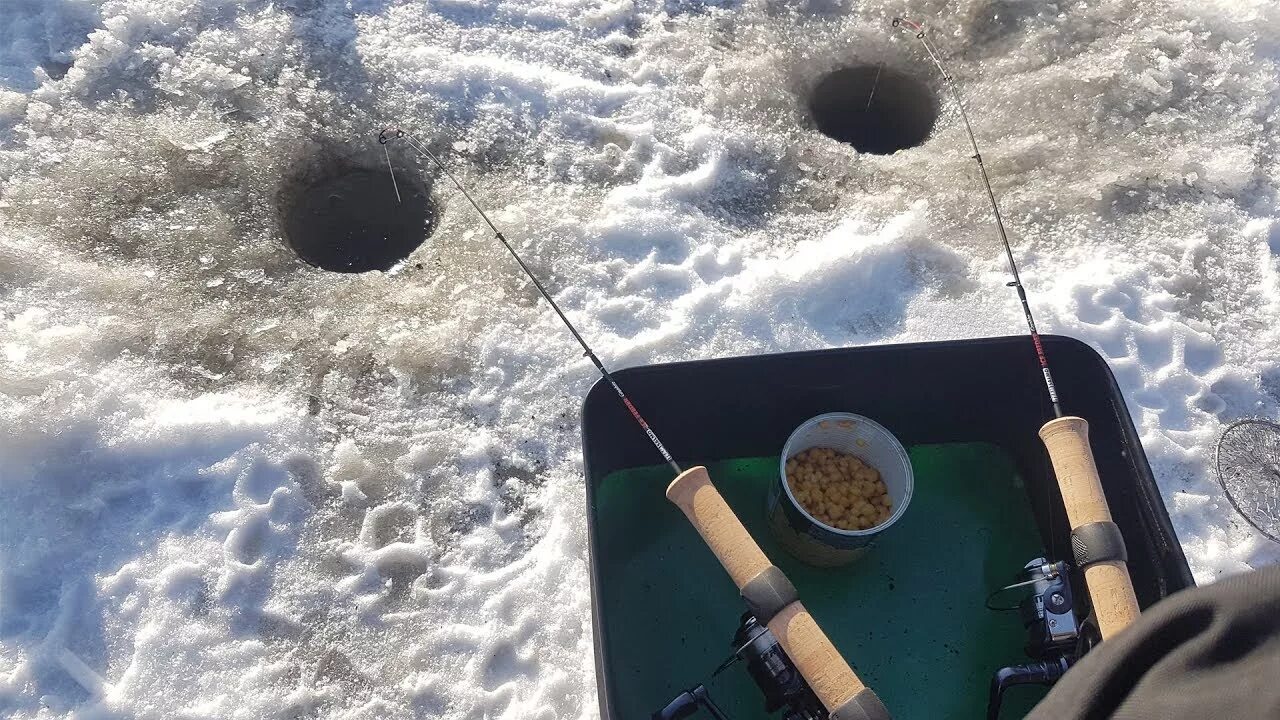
x,y
805,536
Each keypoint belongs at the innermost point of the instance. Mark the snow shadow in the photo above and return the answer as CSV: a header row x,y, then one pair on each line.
x,y
37,38
98,528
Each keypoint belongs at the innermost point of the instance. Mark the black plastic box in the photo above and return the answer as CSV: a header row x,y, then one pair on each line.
x,y
986,390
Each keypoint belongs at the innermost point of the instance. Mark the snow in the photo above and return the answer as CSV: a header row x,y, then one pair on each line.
x,y
236,486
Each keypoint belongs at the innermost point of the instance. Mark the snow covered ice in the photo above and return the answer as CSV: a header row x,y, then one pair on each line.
x,y
234,485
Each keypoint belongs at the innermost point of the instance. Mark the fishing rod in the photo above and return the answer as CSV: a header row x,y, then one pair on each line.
x,y
587,352
769,595
1096,541
1016,283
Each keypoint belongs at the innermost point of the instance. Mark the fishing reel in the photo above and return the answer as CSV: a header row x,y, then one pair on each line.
x,y
1055,638
768,665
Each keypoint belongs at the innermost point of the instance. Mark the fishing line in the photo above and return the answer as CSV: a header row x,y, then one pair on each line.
x,y
392,170
874,84
389,134
1016,283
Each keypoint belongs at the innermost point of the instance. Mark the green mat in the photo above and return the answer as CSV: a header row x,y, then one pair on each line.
x,y
909,616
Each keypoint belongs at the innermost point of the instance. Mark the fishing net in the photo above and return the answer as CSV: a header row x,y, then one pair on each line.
x,y
1248,458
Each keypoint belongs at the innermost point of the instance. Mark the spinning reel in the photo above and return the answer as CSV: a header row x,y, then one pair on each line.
x,y
768,665
1055,638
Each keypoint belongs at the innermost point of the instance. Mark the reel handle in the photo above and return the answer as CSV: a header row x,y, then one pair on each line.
x,y
1109,584
844,695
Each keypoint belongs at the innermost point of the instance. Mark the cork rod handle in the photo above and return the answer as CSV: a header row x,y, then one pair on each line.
x,y
1110,588
831,678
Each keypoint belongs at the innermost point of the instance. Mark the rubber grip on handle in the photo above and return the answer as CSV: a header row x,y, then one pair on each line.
x,y
1110,588
818,661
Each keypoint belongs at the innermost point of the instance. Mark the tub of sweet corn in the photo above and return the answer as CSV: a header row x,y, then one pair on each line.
x,y
843,480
